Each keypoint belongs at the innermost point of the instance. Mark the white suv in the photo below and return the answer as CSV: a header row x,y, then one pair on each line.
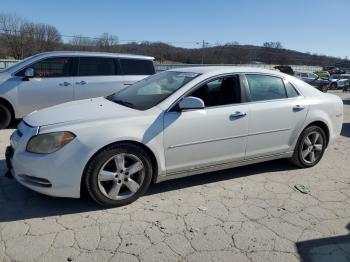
x,y
53,78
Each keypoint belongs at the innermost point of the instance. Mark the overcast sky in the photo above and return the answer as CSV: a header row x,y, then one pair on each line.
x,y
316,26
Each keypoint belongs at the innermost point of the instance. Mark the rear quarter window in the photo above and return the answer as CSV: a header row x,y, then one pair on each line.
x,y
136,67
291,91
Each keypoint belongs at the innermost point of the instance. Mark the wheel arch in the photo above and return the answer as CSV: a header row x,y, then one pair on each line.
x,y
323,126
6,103
151,154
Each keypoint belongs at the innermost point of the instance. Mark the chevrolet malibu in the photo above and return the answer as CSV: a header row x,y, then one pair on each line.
x,y
173,124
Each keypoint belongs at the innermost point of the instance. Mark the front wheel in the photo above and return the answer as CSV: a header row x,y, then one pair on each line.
x,y
324,89
118,175
310,147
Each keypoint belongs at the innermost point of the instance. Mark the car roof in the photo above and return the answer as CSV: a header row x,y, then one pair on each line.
x,y
216,70
34,58
92,54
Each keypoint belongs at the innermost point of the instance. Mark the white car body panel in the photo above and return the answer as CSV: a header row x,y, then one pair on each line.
x,y
227,142
40,93
93,86
190,142
268,136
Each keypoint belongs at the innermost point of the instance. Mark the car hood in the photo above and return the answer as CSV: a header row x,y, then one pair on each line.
x,y
82,110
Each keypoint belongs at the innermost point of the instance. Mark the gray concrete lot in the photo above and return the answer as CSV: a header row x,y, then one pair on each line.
x,y
245,214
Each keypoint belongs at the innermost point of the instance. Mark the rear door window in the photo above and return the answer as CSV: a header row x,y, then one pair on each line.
x,y
264,87
97,66
136,67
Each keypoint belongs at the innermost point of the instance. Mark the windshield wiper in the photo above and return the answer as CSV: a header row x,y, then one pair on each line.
x,y
124,103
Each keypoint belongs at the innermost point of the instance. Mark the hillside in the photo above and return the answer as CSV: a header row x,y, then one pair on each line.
x,y
228,54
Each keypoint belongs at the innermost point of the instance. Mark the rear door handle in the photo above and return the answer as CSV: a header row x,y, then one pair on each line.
x,y
64,84
81,83
237,114
127,84
298,108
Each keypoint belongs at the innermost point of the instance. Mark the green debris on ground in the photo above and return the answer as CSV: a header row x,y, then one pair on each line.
x,y
302,189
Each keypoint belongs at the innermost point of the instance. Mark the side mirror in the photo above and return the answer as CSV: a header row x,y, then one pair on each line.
x,y
29,72
191,102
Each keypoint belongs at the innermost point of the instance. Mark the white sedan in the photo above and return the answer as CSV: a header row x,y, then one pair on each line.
x,y
173,124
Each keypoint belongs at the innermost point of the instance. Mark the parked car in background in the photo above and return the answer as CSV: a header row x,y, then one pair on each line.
x,y
173,124
346,87
323,74
285,69
333,70
321,84
53,78
338,81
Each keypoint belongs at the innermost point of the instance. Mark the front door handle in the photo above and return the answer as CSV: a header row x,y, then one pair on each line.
x,y
81,83
237,114
64,84
297,108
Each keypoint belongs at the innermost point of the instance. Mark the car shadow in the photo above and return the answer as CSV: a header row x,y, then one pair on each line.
x,y
18,202
330,249
346,102
14,123
345,131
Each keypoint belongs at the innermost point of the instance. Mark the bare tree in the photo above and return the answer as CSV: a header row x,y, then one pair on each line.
x,y
23,38
106,42
46,37
13,39
82,43
277,45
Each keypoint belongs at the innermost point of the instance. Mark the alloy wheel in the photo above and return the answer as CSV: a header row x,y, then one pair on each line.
x,y
312,147
121,176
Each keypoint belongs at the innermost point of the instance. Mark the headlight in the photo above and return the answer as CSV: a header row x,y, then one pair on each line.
x,y
49,143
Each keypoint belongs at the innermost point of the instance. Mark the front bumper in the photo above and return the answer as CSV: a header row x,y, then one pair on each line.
x,y
57,174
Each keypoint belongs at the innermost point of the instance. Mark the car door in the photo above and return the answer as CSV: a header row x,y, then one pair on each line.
x,y
277,112
97,76
213,136
52,84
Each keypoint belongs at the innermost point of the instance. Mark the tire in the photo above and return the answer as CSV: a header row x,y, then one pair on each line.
x,y
108,183
301,157
333,86
5,116
324,89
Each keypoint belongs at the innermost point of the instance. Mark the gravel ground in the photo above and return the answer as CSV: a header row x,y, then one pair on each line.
x,y
245,214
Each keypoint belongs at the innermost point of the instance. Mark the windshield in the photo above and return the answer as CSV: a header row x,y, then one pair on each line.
x,y
150,91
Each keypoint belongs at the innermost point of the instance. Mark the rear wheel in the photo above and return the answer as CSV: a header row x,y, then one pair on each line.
x,y
5,116
310,147
118,175
334,86
324,89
